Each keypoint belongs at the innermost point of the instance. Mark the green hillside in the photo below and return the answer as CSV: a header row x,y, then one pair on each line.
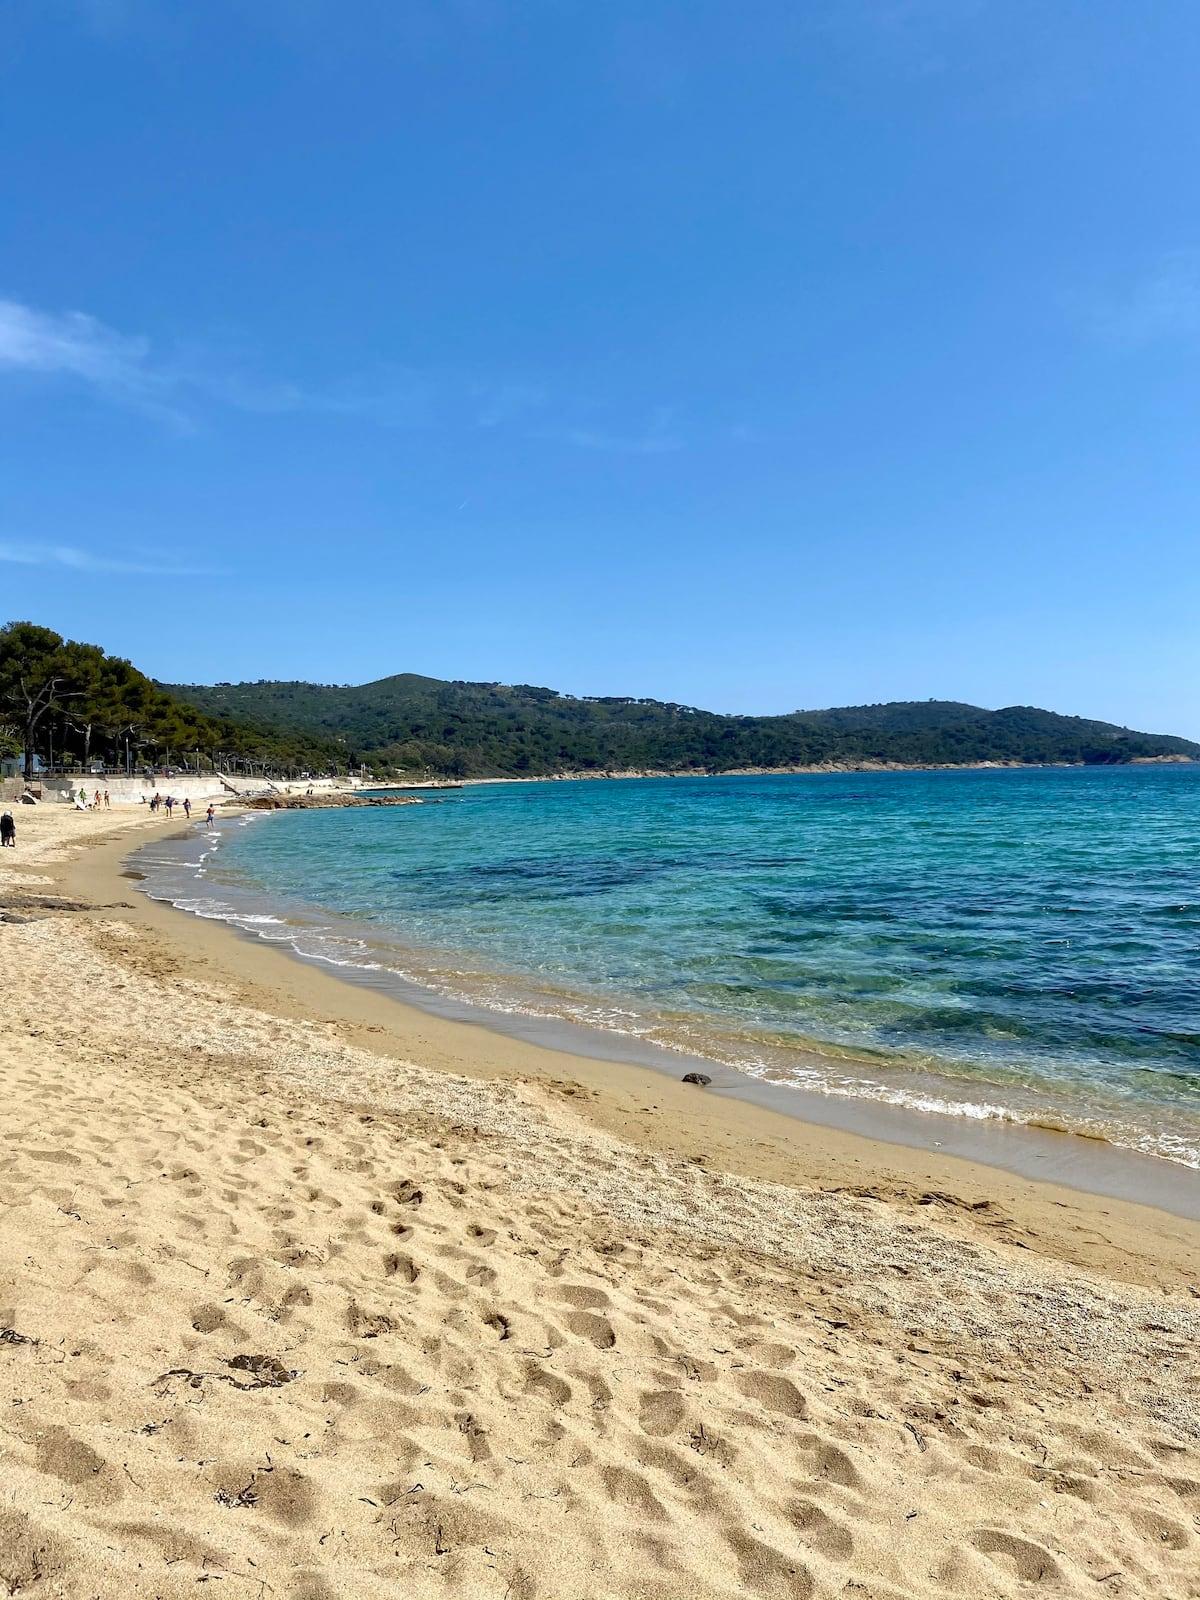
x,y
69,702
458,729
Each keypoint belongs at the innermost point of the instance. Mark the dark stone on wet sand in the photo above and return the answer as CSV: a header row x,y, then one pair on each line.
x,y
700,1078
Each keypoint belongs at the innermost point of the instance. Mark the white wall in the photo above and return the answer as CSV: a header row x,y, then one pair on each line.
x,y
130,791
207,786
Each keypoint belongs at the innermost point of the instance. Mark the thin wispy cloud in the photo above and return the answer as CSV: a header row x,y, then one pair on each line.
x,y
657,437
73,343
82,349
66,555
646,444
76,348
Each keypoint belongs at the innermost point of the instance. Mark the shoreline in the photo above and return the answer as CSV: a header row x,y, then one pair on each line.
x,y
1041,1153
319,1296
752,1125
835,768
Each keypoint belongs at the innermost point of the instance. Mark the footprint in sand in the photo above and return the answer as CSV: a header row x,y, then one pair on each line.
x,y
770,1354
31,1555
547,1384
661,1412
207,1318
596,1330
1161,1530
69,1459
827,1461
767,1573
1030,1561
630,1489
283,1494
818,1529
580,1294
773,1392
402,1267
362,1323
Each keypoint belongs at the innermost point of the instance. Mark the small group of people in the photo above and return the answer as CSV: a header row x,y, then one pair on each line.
x,y
169,802
8,823
100,801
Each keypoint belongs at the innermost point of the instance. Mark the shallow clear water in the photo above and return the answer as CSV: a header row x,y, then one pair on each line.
x,y
1020,944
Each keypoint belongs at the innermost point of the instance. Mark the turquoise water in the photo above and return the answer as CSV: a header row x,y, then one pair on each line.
x,y
1015,944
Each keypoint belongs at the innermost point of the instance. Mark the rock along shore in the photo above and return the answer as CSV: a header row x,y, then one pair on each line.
x,y
324,802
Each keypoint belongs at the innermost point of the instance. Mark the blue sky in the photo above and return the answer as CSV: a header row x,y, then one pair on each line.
x,y
758,356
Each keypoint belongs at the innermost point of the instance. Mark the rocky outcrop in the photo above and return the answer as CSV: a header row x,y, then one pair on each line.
x,y
326,802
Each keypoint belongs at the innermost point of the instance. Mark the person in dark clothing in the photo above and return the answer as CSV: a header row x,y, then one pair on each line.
x,y
8,830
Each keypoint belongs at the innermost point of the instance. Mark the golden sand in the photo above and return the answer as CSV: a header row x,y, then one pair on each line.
x,y
306,1294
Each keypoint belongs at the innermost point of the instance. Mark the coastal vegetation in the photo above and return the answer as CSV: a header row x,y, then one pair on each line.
x,y
63,701
416,725
67,703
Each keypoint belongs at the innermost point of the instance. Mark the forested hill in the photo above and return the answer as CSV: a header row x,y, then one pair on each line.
x,y
497,730
65,701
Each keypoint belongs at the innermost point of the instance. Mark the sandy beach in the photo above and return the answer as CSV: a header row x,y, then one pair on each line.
x,y
305,1293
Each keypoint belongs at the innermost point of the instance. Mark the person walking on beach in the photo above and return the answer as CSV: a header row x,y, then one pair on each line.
x,y
170,806
187,808
208,815
8,830
96,801
107,802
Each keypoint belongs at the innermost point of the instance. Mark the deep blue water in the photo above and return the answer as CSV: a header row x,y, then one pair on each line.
x,y
1022,943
